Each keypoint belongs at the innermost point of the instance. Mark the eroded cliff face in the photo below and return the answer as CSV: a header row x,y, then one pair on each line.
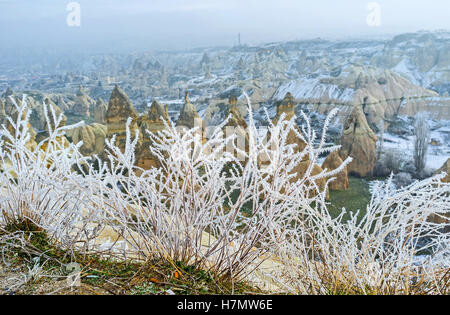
x,y
60,101
423,58
11,101
381,93
388,94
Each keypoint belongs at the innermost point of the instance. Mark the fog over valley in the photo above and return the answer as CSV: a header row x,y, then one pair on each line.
x,y
125,26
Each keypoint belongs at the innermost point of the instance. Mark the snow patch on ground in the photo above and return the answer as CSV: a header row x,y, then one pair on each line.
x,y
438,153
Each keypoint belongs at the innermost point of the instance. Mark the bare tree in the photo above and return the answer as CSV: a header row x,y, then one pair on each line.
x,y
380,127
422,133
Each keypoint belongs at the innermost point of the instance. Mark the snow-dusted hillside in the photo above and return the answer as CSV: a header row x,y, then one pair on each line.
x,y
404,75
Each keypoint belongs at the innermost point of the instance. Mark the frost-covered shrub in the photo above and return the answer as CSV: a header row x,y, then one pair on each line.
x,y
393,249
231,222
38,183
190,210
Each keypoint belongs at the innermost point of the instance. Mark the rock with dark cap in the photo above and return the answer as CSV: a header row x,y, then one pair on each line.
x,y
189,117
359,142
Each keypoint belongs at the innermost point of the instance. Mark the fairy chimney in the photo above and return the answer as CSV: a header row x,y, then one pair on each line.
x,y
120,109
189,116
236,125
153,122
359,142
82,103
287,107
100,112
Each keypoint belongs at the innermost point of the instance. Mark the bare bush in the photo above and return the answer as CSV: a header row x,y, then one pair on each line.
x,y
391,161
403,179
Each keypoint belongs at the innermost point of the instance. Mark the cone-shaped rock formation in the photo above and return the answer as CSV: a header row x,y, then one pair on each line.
x,y
119,110
359,142
100,112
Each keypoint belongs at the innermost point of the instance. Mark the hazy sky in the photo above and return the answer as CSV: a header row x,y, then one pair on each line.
x,y
118,25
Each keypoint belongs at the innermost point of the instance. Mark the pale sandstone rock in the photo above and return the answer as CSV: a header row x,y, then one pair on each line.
x,y
37,117
93,137
332,162
359,142
83,103
236,125
152,122
445,169
446,217
287,106
189,117
381,93
100,112
2,110
119,110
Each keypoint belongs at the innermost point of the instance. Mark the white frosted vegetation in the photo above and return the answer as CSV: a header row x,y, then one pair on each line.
x,y
376,254
205,208
40,183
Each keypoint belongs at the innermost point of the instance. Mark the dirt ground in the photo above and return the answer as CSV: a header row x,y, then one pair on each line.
x,y
16,279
